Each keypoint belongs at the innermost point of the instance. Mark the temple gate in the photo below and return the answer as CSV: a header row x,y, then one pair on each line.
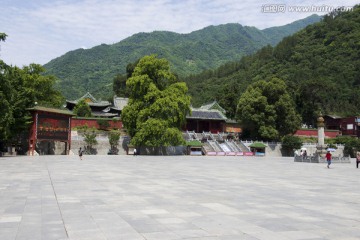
x,y
50,125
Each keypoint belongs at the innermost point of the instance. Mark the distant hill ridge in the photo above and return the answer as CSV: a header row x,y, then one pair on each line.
x,y
93,69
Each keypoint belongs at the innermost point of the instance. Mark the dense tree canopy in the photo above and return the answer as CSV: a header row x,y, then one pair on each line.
x,y
266,111
158,104
6,110
21,89
119,85
320,65
119,82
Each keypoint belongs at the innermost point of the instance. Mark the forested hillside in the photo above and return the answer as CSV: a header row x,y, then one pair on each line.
x,y
320,64
94,69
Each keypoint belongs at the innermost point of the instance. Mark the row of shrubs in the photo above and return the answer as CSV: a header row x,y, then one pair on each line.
x,y
90,134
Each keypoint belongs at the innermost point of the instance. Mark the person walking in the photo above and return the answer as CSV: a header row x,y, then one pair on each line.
x,y
357,159
304,155
328,158
80,153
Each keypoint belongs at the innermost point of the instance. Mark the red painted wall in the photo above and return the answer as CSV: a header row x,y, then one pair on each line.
x,y
313,133
77,122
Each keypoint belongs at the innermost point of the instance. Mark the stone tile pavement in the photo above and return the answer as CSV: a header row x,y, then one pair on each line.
x,y
178,197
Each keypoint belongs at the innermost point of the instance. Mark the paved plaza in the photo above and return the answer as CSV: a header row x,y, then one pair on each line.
x,y
177,197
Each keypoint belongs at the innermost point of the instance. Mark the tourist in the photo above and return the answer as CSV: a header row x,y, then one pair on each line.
x,y
134,151
328,158
357,159
304,155
80,153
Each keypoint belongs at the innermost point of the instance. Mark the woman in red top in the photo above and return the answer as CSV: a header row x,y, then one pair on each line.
x,y
328,158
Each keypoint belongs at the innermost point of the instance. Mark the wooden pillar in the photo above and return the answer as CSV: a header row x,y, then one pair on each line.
x,y
66,150
33,134
69,136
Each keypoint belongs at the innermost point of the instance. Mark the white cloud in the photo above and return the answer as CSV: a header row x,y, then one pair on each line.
x,y
42,30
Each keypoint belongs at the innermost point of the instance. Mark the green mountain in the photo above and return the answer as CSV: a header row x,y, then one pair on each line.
x,y
93,69
320,64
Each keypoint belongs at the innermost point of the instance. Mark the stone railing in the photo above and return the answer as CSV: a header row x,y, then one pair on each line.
x,y
319,159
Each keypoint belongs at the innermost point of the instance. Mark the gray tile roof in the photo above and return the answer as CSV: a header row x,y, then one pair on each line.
x,y
206,114
96,104
213,106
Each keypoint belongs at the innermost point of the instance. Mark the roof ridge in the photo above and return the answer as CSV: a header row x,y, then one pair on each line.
x,y
88,95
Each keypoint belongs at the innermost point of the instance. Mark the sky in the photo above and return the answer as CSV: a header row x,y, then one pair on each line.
x,y
41,30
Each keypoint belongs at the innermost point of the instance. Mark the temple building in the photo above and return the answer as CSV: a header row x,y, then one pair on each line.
x,y
207,118
49,126
103,109
210,118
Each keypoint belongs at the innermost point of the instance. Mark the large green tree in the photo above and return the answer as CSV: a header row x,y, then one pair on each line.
x,y
267,111
20,89
158,104
6,96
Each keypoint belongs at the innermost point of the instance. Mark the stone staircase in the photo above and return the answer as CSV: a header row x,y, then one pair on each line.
x,y
233,146
242,147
